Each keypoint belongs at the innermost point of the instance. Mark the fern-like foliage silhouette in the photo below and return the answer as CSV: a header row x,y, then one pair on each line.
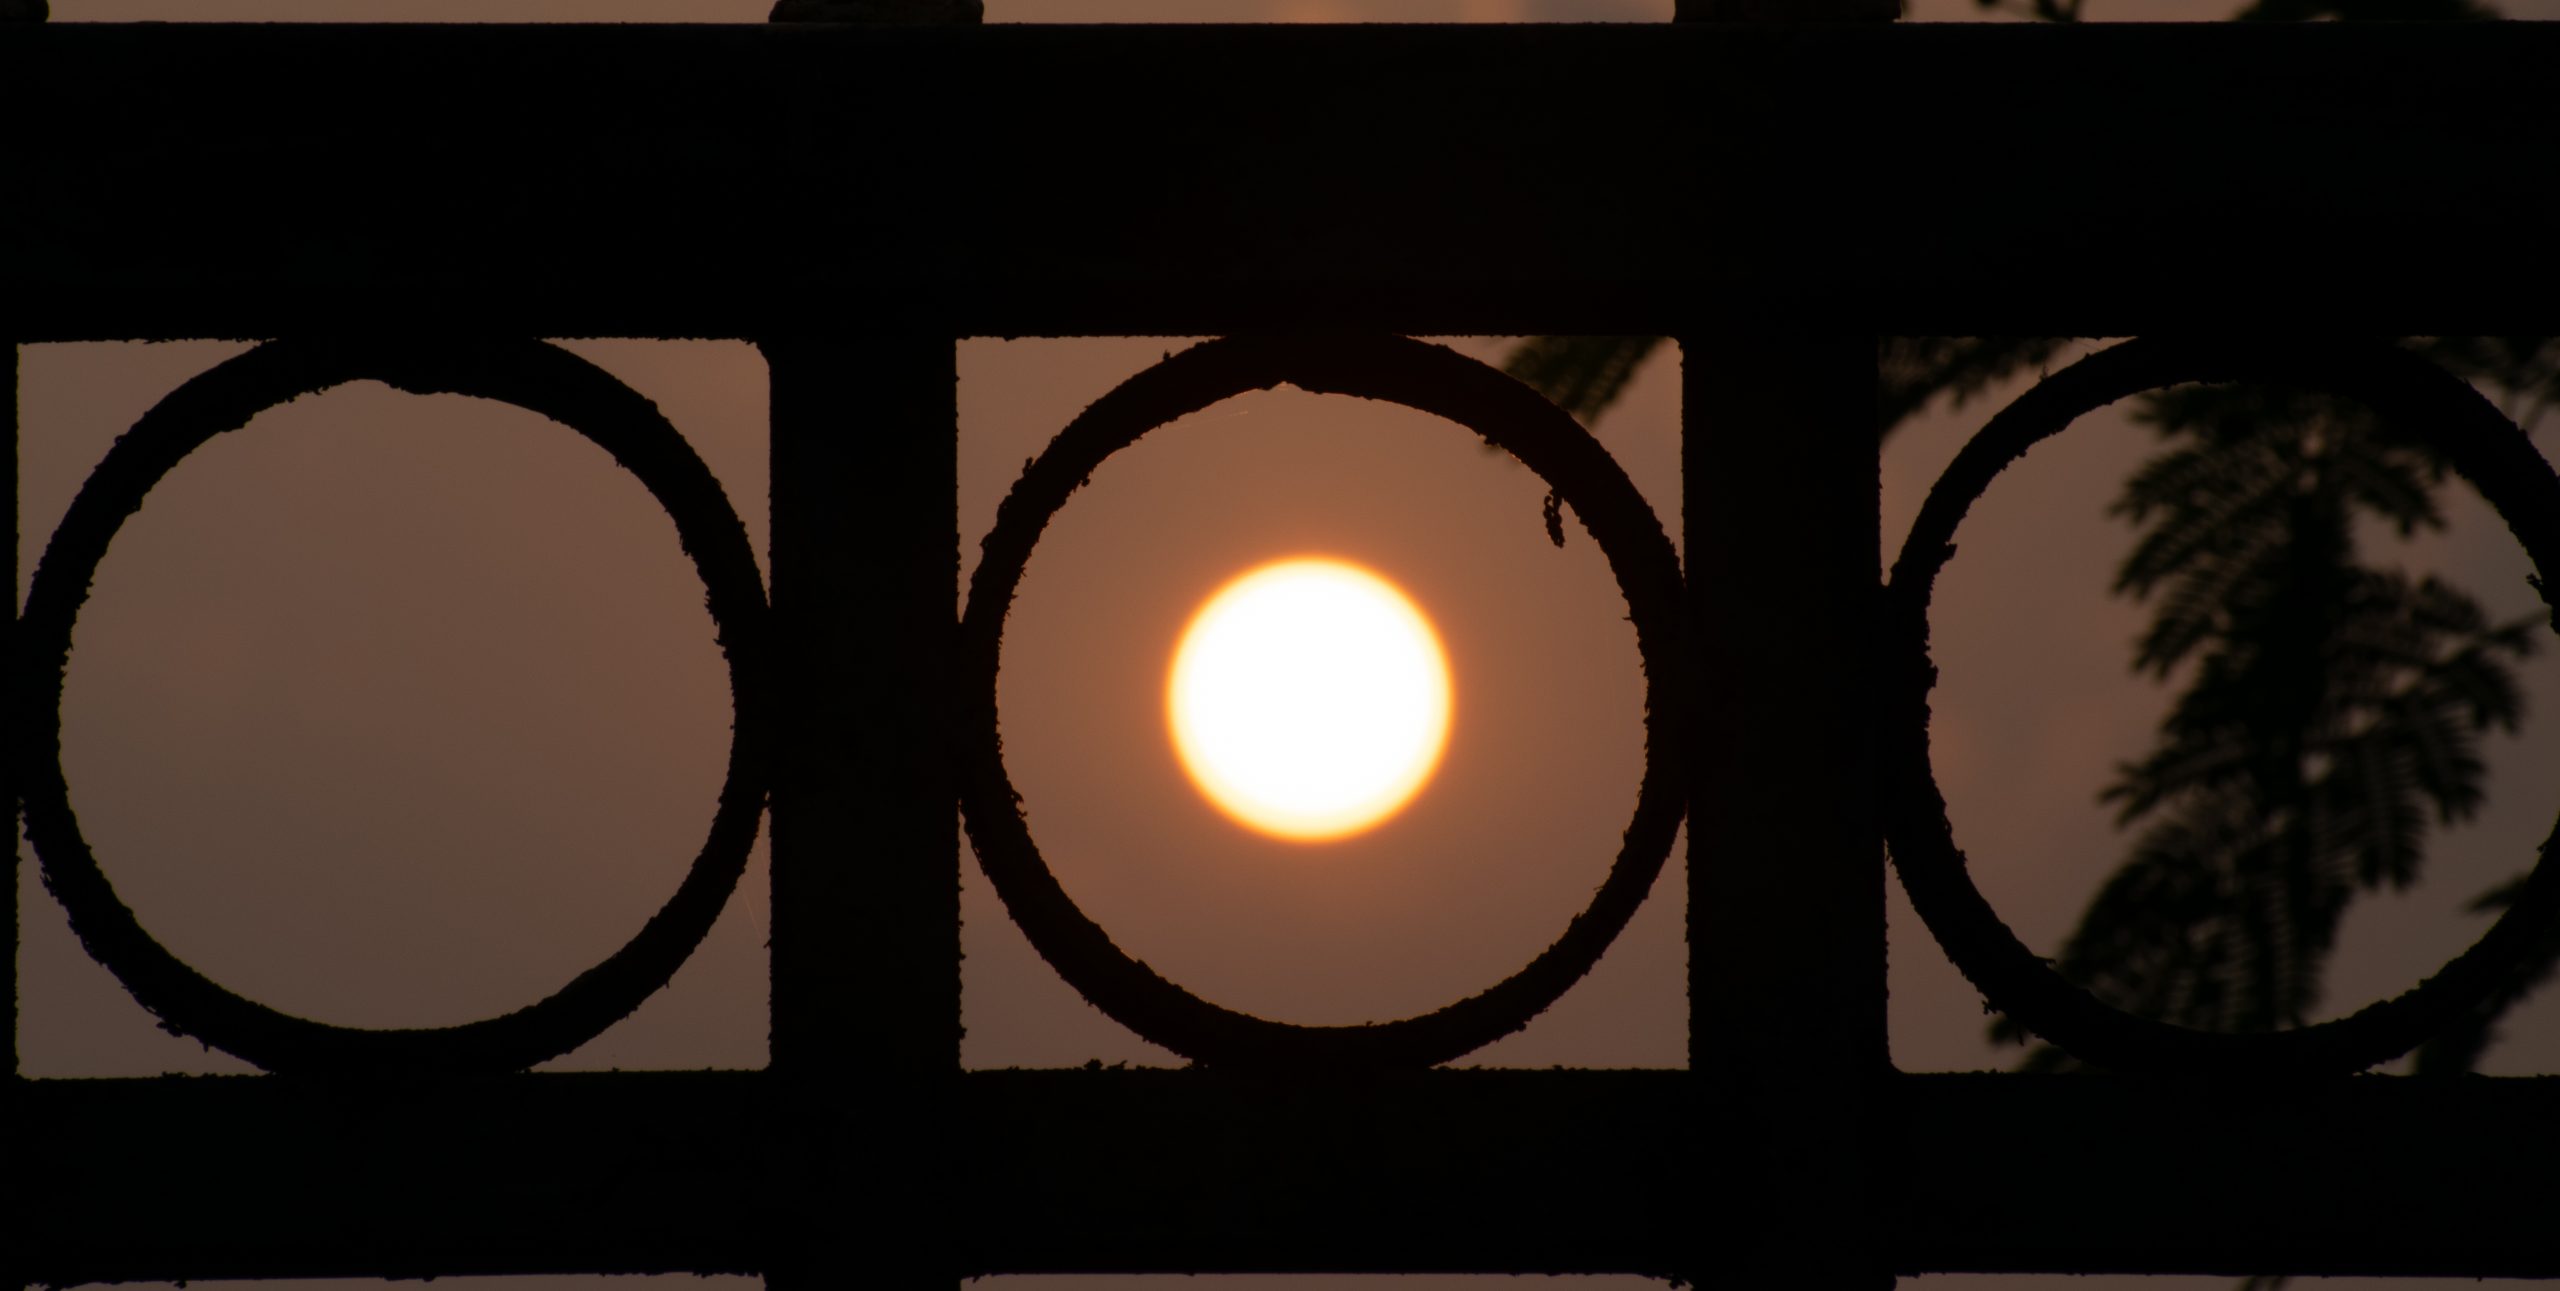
x,y
2331,711
2331,716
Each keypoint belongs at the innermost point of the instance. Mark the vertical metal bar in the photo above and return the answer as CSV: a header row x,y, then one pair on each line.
x,y
1786,880
866,874
10,1102
8,650
866,883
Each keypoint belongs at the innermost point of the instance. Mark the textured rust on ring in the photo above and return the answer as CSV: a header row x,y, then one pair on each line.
x,y
1431,379
535,376
2479,442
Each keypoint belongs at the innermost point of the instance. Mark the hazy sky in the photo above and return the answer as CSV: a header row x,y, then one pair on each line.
x,y
366,590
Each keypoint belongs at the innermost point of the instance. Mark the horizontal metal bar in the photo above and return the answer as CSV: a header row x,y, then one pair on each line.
x,y
1190,1172
741,181
2372,1175
221,1177
1519,1172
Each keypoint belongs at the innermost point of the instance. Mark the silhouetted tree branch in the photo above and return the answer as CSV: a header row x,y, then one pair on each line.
x,y
2331,713
2331,718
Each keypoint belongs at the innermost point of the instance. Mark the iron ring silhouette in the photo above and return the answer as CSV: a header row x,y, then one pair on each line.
x,y
1431,379
2479,442
532,375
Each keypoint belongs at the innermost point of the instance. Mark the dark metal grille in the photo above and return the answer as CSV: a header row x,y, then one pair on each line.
x,y
843,197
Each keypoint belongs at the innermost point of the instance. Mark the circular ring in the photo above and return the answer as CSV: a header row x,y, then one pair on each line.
x,y
532,375
1430,379
2481,444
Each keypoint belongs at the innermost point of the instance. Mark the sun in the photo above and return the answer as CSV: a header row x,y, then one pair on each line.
x,y
1309,699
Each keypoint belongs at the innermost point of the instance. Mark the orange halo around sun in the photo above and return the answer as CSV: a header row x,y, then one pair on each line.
x,y
1309,699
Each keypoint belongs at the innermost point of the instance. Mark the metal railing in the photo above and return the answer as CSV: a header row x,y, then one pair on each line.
x,y
845,197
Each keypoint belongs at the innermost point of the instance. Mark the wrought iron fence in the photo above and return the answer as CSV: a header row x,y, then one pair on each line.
x,y
842,197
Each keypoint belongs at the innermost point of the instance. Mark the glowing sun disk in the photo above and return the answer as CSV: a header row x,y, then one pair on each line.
x,y
1309,699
